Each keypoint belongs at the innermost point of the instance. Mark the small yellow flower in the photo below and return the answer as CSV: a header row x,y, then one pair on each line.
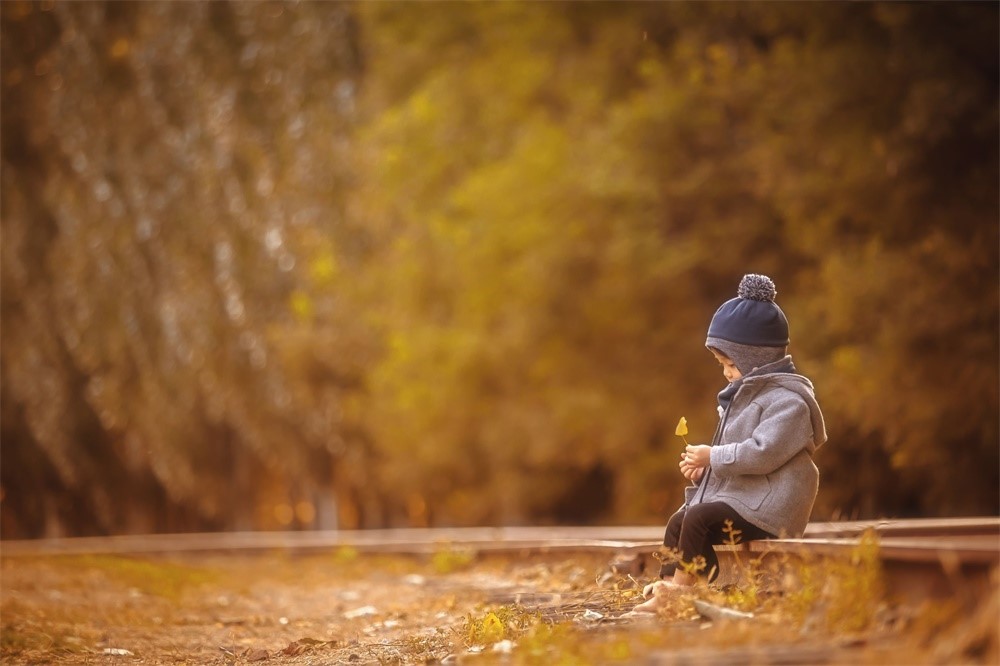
x,y
493,629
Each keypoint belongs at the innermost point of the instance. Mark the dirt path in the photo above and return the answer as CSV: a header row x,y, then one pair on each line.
x,y
349,608
218,609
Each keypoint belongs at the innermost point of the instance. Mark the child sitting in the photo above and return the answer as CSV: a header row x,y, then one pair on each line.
x,y
758,471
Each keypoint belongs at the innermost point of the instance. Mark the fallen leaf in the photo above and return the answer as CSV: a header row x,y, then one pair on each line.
x,y
304,645
293,649
504,647
360,612
713,612
258,655
313,641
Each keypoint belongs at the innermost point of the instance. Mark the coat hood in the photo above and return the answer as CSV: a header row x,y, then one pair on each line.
x,y
799,385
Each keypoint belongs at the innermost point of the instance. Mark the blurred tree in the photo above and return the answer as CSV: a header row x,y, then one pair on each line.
x,y
569,190
894,220
166,169
309,264
534,275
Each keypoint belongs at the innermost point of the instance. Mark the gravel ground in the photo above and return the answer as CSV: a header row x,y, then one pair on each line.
x,y
346,607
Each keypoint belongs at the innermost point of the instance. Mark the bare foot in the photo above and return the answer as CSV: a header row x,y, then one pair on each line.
x,y
648,606
651,589
656,594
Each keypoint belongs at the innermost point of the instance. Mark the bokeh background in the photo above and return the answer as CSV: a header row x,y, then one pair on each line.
x,y
335,265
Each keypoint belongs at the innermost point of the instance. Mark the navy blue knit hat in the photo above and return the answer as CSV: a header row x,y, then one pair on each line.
x,y
752,318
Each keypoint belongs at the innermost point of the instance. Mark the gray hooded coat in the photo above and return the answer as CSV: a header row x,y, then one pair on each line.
x,y
761,458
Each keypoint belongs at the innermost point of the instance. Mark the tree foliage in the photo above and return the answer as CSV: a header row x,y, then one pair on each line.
x,y
170,198
453,263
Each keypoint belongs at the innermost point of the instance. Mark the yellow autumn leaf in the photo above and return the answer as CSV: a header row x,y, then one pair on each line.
x,y
301,305
323,268
682,427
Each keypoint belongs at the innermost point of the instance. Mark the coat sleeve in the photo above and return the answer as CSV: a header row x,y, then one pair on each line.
x,y
785,429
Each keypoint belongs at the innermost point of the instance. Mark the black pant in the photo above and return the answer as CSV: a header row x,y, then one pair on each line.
x,y
693,530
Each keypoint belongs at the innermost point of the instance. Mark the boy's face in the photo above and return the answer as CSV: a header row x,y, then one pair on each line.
x,y
729,369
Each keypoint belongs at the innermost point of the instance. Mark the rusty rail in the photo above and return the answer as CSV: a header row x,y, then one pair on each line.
x,y
969,538
920,558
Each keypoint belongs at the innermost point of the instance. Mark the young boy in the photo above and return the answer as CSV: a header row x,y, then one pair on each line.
x,y
758,471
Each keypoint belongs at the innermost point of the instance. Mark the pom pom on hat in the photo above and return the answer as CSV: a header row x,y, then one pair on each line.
x,y
752,318
757,288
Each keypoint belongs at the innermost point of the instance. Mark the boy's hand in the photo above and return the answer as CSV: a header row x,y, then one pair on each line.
x,y
690,472
698,455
